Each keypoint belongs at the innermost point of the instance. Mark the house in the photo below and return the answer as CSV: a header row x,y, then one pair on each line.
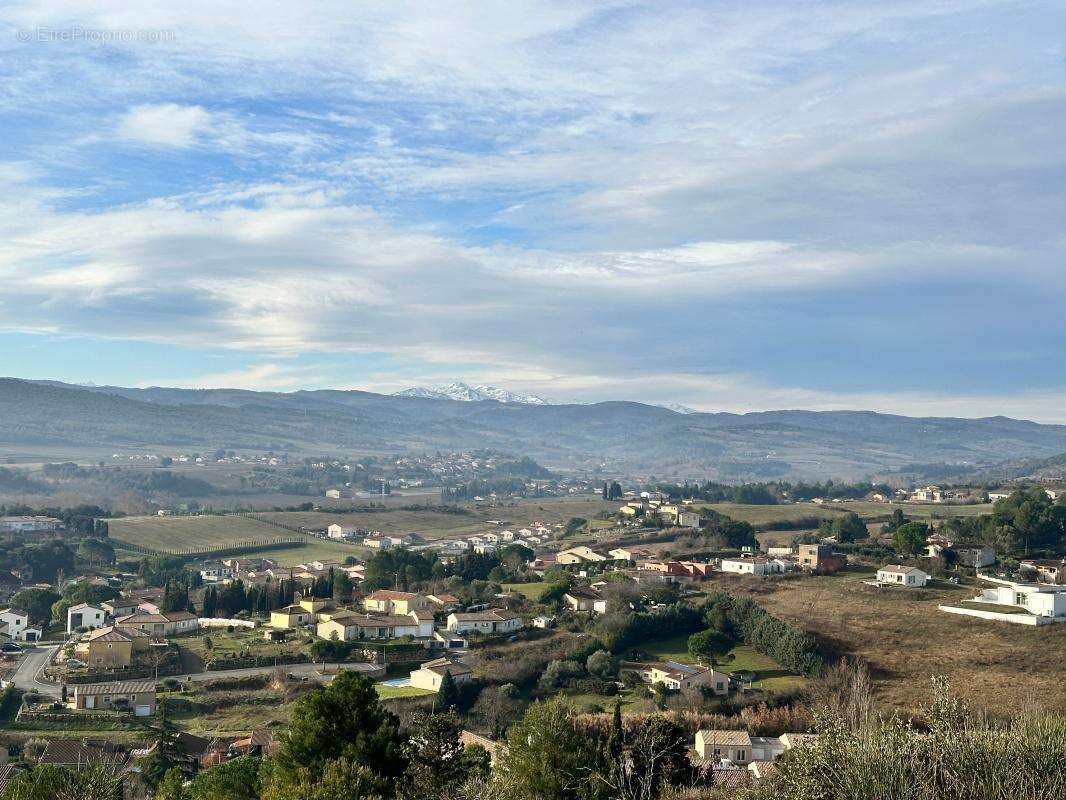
x,y
337,531
1045,601
162,625
779,551
543,622
630,511
387,601
750,566
136,696
120,607
85,615
347,626
212,571
975,556
377,541
715,745
579,555
83,753
294,616
443,599
585,598
1047,570
15,623
111,647
820,558
899,575
333,494
448,640
928,494
629,553
25,524
683,677
430,674
492,620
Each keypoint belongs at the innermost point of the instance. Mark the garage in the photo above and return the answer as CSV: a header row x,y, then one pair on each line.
x,y
142,711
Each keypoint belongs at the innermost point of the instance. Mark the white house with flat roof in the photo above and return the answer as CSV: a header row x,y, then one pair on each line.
x,y
1022,603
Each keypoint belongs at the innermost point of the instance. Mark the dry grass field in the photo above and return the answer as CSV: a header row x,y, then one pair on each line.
x,y
906,640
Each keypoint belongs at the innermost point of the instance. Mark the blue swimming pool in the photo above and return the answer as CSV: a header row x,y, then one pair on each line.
x,y
397,682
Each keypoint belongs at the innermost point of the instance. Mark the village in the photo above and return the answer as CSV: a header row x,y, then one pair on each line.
x,y
458,620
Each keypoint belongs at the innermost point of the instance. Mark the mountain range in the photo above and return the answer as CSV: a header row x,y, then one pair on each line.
x,y
466,393
610,438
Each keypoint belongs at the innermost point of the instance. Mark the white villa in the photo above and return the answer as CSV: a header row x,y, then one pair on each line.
x,y
897,575
1021,603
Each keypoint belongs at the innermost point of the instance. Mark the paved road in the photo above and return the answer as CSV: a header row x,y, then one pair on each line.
x,y
28,671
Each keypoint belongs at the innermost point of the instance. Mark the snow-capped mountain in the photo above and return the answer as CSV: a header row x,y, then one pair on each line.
x,y
680,409
472,394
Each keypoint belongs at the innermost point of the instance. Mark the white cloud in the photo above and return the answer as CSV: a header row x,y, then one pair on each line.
x,y
164,124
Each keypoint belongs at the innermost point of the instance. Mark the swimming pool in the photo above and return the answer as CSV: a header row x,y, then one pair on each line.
x,y
397,682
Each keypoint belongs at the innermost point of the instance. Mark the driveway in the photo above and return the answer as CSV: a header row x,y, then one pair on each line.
x,y
27,672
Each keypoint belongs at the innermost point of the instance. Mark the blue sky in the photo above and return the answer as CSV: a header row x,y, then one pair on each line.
x,y
733,206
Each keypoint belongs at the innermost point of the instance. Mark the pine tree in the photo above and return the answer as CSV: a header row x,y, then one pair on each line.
x,y
166,752
436,767
448,694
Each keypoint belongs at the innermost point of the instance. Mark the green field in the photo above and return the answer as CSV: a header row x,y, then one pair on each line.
x,y
531,591
390,692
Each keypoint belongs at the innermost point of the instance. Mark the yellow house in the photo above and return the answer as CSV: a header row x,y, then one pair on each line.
x,y
579,555
430,674
386,601
291,617
314,604
111,647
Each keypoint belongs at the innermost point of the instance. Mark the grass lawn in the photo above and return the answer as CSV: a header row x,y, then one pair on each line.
x,y
390,692
532,591
769,675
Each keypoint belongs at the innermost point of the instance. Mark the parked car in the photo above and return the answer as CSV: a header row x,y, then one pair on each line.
x,y
10,647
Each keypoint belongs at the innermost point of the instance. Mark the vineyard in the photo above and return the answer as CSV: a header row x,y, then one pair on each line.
x,y
204,535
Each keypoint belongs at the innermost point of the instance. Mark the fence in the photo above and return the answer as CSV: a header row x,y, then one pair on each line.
x,y
219,622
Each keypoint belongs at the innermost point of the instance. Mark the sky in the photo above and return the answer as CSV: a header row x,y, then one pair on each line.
x,y
733,206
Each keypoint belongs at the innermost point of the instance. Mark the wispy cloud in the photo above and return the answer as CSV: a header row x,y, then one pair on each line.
x,y
803,205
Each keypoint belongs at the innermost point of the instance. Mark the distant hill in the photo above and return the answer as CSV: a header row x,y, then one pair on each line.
x,y
628,438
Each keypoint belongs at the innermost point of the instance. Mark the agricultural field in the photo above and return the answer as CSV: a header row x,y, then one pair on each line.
x,y
434,525
176,534
179,535
906,640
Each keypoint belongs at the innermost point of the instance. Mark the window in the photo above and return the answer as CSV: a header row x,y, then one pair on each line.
x,y
741,755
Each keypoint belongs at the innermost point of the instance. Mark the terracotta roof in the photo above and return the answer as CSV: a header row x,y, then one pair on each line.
x,y
388,594
898,569
584,593
726,738
443,665
111,634
491,615
77,752
117,687
7,772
